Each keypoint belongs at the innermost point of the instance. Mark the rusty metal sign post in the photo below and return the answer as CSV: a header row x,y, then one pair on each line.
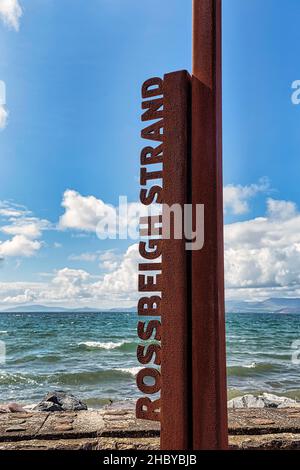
x,y
182,308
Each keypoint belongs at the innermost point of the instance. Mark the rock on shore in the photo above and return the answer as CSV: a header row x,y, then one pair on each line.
x,y
12,408
60,401
266,400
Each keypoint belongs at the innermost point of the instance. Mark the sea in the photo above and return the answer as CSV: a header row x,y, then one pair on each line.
x,y
93,355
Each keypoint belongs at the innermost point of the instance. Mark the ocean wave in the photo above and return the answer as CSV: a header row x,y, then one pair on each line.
x,y
18,379
41,358
102,376
3,332
262,354
251,369
250,366
123,345
130,370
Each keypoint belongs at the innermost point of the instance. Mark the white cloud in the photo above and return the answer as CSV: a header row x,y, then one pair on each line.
x,y
6,212
118,284
24,229
19,245
30,227
19,292
281,209
264,253
10,13
82,212
70,276
236,197
78,287
71,284
3,117
123,279
10,209
262,259
92,215
109,260
87,257
89,214
28,297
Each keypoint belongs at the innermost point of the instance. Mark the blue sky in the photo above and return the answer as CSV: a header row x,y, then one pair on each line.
x,y
73,71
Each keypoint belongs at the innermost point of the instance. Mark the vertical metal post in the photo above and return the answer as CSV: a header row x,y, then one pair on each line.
x,y
207,266
176,328
193,364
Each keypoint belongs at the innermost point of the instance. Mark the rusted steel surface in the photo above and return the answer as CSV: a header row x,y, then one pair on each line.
x,y
206,14
149,280
176,379
207,274
187,135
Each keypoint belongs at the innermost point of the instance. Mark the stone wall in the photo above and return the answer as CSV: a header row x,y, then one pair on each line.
x,y
118,429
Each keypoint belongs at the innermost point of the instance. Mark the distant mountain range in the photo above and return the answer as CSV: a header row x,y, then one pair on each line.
x,y
47,309
282,306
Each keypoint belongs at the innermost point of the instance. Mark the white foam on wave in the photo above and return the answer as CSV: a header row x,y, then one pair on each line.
x,y
3,332
250,366
99,345
130,370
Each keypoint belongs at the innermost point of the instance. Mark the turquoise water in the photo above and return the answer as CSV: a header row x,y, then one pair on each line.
x,y
93,355
259,354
